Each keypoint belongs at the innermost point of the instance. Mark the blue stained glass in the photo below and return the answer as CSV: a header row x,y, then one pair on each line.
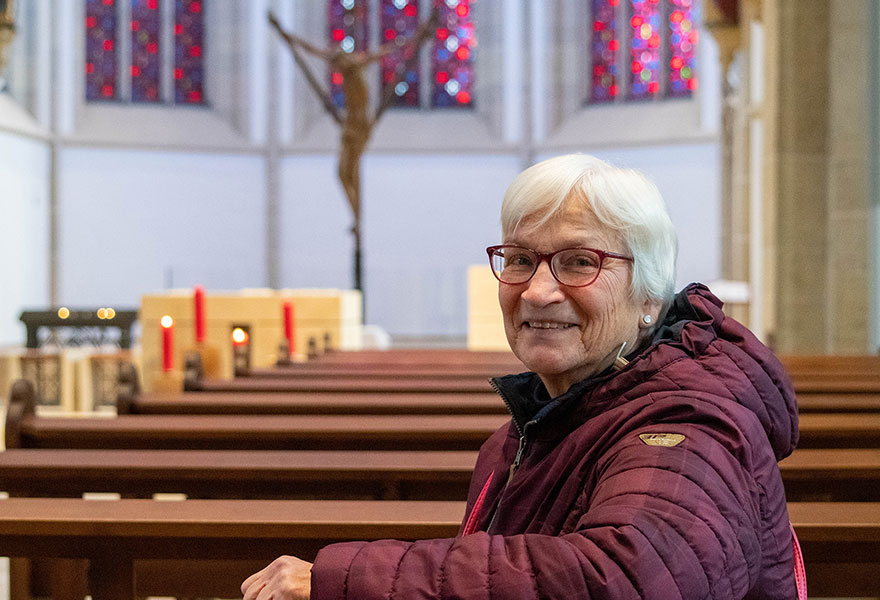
x,y
347,28
454,45
145,50
189,46
682,48
644,56
400,19
100,59
604,46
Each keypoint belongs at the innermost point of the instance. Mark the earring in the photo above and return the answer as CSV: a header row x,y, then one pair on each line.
x,y
647,319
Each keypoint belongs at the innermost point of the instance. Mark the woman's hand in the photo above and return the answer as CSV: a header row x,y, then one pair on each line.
x,y
286,578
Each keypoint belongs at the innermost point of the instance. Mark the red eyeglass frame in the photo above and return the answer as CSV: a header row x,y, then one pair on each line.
x,y
491,250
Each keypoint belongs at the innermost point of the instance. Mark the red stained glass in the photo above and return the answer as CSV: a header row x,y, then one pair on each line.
x,y
644,53
453,53
100,58
604,47
189,43
400,69
659,55
347,29
682,48
145,23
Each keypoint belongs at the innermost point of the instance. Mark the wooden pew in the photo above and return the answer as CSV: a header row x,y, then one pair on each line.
x,y
24,429
838,402
840,545
310,403
198,548
305,403
396,384
146,547
255,474
327,432
839,475
823,474
417,357
799,364
356,369
839,430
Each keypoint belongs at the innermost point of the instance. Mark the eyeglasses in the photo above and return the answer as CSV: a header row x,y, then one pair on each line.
x,y
574,267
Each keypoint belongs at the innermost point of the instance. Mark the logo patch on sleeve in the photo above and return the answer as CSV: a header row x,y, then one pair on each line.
x,y
662,439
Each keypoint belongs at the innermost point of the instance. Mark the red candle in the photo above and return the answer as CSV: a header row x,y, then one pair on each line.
x,y
288,324
199,297
167,324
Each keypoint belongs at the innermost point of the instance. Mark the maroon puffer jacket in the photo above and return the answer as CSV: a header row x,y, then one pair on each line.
x,y
656,481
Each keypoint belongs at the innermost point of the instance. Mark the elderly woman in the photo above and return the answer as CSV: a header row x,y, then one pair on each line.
x,y
640,461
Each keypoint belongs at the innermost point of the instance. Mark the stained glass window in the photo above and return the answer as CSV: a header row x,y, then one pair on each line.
x,y
644,49
347,21
452,55
660,38
604,47
145,50
189,40
101,73
158,40
682,48
400,70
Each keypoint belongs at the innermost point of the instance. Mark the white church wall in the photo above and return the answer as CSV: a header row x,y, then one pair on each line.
x,y
419,233
24,237
407,206
688,177
135,222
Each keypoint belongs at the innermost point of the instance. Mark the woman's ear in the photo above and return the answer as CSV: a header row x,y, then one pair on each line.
x,y
650,314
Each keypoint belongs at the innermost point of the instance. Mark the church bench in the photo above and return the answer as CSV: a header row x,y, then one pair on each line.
x,y
797,364
327,432
837,402
280,474
839,430
819,474
389,369
329,383
340,432
244,432
257,432
416,357
195,548
836,384
393,403
306,403
835,474
207,547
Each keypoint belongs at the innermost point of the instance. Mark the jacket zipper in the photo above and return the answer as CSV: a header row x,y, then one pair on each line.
x,y
520,451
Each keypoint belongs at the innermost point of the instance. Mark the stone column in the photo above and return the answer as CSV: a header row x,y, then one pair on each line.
x,y
817,185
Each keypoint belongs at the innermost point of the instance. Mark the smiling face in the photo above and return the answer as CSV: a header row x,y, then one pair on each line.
x,y
566,334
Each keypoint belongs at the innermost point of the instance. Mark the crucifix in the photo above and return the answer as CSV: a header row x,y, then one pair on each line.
x,y
7,31
355,121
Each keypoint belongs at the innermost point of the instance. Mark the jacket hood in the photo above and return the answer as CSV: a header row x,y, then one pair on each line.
x,y
697,349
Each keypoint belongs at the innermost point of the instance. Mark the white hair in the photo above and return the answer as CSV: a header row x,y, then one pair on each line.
x,y
622,199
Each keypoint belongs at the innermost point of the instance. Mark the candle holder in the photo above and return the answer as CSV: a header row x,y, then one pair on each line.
x,y
7,32
241,351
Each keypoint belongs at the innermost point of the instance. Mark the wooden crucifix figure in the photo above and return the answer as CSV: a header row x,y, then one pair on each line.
x,y
354,118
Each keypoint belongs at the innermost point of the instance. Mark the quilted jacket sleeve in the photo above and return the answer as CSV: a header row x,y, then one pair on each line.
x,y
661,522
